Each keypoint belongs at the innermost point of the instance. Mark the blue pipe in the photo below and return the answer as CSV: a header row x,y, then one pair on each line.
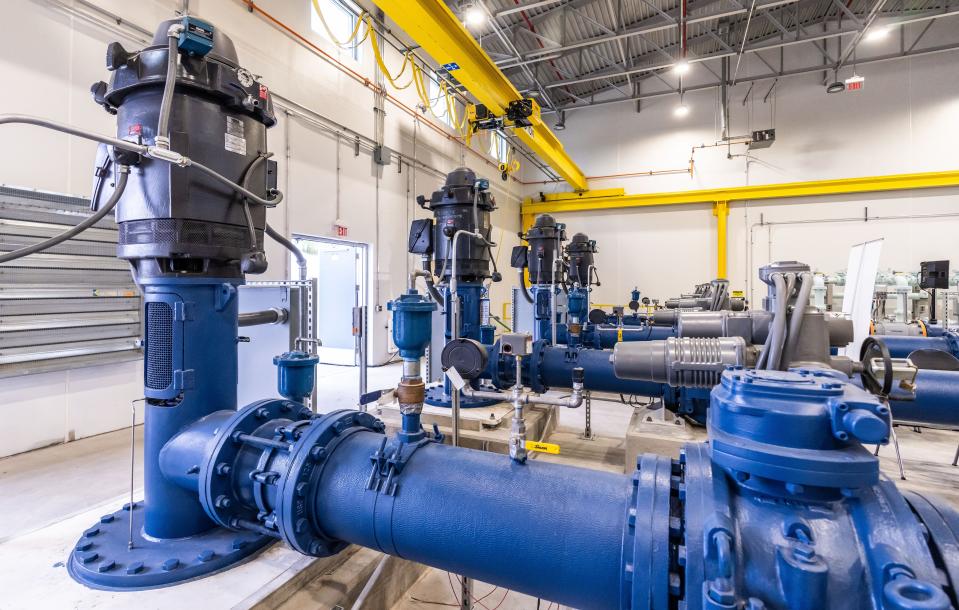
x,y
783,508
936,402
901,346
553,532
609,337
552,367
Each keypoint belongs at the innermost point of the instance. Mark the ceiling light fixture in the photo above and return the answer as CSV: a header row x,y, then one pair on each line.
x,y
877,33
473,14
836,87
681,111
560,124
681,67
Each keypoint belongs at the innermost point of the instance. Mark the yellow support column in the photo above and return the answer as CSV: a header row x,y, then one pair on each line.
x,y
721,212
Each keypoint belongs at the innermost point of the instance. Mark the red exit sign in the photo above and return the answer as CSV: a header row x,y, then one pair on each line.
x,y
855,83
341,230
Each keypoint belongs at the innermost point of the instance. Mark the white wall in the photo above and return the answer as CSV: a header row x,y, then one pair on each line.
x,y
903,121
49,59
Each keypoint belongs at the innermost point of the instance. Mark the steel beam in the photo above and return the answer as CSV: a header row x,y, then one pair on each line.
x,y
616,199
438,31
761,77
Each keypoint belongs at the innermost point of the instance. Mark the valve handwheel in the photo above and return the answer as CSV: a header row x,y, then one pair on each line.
x,y
873,348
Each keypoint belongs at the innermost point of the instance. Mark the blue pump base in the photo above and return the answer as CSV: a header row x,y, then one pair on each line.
x,y
437,397
103,560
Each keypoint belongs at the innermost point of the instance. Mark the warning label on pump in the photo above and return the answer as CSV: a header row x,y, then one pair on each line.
x,y
542,447
235,144
235,136
235,127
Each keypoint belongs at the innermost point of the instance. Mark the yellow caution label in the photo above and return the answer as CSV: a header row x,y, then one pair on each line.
x,y
542,447
619,334
739,294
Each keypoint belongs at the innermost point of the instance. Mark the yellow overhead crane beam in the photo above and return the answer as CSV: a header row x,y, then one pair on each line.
x,y
611,199
435,28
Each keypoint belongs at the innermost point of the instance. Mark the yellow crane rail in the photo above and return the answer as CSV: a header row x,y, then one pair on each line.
x,y
435,28
611,199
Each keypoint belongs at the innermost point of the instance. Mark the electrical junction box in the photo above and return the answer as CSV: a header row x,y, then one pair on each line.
x,y
382,155
763,138
196,37
517,344
421,236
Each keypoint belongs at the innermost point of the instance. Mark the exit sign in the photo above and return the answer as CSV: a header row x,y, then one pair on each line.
x,y
341,230
855,82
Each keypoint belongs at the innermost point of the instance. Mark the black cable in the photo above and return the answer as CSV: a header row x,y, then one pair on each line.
x,y
123,171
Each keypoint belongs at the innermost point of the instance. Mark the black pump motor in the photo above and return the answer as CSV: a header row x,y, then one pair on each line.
x,y
545,239
579,252
463,203
175,220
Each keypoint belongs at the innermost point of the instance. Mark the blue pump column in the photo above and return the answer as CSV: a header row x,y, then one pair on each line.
x,y
190,371
474,317
190,378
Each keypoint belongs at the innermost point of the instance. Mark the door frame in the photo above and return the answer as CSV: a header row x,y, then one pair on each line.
x,y
363,276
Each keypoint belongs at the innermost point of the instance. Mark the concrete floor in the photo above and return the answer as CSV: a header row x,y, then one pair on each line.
x,y
62,484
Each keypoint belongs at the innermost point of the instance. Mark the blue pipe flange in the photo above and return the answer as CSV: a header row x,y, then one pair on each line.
x,y
294,503
653,523
103,559
260,429
534,363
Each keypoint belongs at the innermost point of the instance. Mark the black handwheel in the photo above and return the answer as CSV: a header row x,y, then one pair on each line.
x,y
876,348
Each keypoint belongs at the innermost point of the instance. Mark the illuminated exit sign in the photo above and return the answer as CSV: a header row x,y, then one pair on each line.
x,y
855,82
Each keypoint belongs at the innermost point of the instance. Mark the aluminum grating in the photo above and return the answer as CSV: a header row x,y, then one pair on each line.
x,y
159,346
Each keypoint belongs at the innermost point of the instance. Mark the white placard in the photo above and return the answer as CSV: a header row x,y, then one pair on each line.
x,y
455,378
858,292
